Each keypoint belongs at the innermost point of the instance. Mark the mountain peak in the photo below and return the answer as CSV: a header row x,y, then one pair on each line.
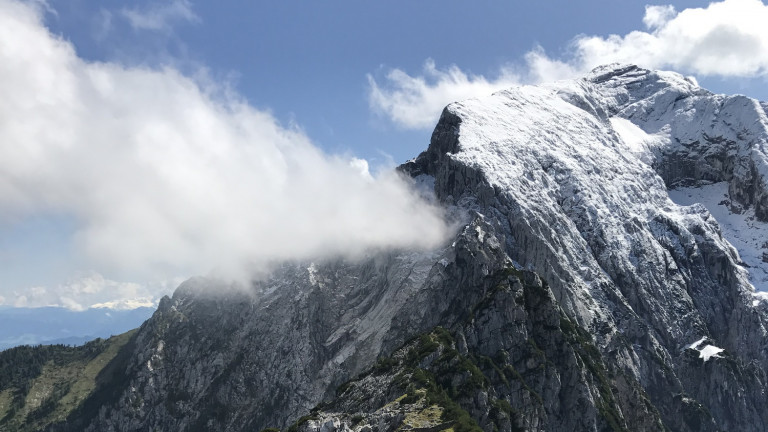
x,y
631,77
575,296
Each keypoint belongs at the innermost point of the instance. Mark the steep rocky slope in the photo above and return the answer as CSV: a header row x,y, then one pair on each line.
x,y
517,362
579,202
575,295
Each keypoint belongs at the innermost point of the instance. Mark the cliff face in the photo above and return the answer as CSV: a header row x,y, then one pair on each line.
x,y
569,172
575,295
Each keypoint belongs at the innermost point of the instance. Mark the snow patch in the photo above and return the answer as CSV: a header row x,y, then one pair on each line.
x,y
706,351
710,351
742,230
696,344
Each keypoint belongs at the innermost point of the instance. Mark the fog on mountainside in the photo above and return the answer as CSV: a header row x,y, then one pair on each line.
x,y
164,175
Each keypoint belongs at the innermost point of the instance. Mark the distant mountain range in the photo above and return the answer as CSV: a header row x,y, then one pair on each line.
x,y
56,325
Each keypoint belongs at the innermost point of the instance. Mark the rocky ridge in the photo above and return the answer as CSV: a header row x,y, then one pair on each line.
x,y
576,295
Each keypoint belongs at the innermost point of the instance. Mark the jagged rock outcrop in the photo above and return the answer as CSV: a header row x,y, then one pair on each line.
x,y
646,321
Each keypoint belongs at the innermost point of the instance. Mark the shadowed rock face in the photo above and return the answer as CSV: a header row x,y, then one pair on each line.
x,y
567,181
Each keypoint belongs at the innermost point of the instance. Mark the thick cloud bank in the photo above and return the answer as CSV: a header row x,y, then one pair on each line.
x,y
728,38
166,175
725,39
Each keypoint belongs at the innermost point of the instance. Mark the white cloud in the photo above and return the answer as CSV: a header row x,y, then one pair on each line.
x,y
727,39
658,15
361,166
541,68
168,176
92,290
414,102
160,16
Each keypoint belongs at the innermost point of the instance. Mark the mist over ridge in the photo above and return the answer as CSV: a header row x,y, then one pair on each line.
x,y
166,175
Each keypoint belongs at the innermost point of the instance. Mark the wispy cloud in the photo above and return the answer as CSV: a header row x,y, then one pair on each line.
x,y
160,16
102,24
727,39
169,175
414,102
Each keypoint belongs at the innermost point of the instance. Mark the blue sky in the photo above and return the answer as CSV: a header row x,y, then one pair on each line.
x,y
308,61
265,127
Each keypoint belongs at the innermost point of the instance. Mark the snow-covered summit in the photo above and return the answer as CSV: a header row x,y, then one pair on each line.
x,y
606,148
576,175
628,83
710,137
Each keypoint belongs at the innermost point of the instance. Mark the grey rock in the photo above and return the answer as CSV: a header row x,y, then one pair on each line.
x,y
611,282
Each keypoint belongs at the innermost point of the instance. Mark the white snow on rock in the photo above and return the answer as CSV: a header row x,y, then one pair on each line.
x,y
706,351
696,344
742,230
710,351
639,142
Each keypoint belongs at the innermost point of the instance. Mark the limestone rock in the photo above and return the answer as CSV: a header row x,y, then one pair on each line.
x,y
571,292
